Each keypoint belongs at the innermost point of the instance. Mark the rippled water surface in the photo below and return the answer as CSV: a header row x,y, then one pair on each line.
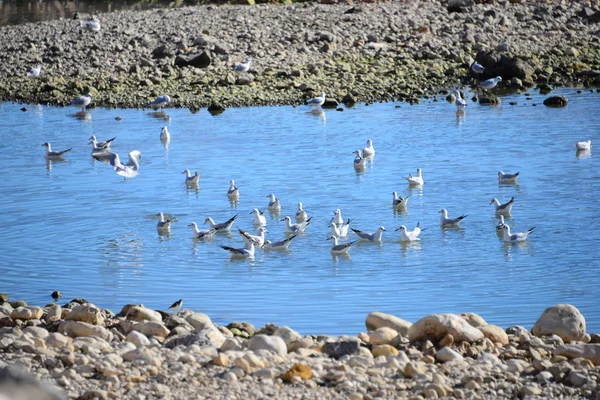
x,y
78,227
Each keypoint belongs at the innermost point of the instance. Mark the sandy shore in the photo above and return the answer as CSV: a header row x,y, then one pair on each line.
x,y
362,52
80,351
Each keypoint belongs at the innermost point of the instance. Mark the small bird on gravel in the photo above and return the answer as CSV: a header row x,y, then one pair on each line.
x,y
57,294
92,25
34,72
477,68
176,305
243,67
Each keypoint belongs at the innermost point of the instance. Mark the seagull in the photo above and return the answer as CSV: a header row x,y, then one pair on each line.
x,y
163,225
415,180
317,101
165,136
295,228
281,245
34,72
370,237
409,236
301,215
159,102
399,202
244,252
369,151
177,304
259,217
501,223
507,178
92,25
54,154
448,222
82,101
503,208
189,179
477,68
337,217
233,192
259,239
201,234
490,83
274,204
359,160
243,67
515,237
583,145
129,170
223,226
341,231
459,102
337,248
100,146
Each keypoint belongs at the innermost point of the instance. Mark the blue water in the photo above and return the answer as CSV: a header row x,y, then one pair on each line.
x,y
78,227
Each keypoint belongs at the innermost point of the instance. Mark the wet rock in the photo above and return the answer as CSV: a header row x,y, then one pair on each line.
x,y
436,326
202,60
489,99
216,109
330,103
377,320
459,6
269,343
341,348
563,320
556,101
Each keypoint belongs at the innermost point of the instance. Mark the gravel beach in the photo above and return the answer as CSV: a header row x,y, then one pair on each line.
x,y
80,351
361,52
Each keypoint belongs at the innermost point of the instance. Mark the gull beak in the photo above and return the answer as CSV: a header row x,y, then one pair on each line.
x,y
396,229
283,219
190,224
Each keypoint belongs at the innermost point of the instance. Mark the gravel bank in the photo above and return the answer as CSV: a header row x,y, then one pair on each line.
x,y
84,352
366,52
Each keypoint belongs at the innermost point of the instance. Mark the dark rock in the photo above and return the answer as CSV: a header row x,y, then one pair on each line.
x,y
222,48
24,109
340,109
590,14
459,5
216,109
330,103
18,303
556,101
268,329
3,298
353,10
164,315
161,52
15,384
243,326
497,64
181,61
188,340
341,348
201,61
326,37
489,99
595,338
544,88
349,100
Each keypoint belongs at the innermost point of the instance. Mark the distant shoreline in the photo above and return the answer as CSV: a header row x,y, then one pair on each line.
x,y
355,53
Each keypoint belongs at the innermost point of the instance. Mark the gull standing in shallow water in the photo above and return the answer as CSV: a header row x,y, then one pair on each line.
x,y
233,192
409,236
399,202
259,217
280,245
449,222
370,237
129,170
189,179
301,215
159,102
295,228
317,101
223,226
507,178
274,204
201,234
583,145
82,101
515,237
503,208
415,180
490,83
243,67
163,225
34,72
369,150
54,154
337,248
459,102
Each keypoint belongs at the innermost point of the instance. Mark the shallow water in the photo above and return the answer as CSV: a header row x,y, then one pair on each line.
x,y
78,227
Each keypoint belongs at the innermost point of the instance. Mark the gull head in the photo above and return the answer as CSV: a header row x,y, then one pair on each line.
x,y
381,229
46,144
299,206
186,171
402,228
255,211
92,137
331,238
161,215
232,182
498,79
492,201
272,197
337,212
262,230
369,143
286,218
193,224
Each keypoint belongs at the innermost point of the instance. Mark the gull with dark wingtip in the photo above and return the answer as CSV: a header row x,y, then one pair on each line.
x,y
223,226
503,208
54,154
449,222
377,236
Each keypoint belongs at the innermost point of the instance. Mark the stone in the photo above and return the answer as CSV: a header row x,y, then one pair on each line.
x,y
563,320
215,109
76,329
531,389
58,340
86,313
221,359
152,328
199,321
557,101
243,327
384,350
588,351
137,313
473,319
448,340
53,313
446,354
202,60
382,335
376,320
36,332
436,326
27,313
577,379
300,370
138,339
287,334
270,343
341,348
414,368
495,333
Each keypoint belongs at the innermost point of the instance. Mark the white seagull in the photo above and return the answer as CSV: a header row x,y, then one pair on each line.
x,y
459,102
409,236
584,145
415,180
490,83
370,237
201,234
189,179
337,248
164,134
337,217
301,215
92,25
159,102
129,170
54,154
369,150
34,72
341,231
82,101
477,68
100,146
221,227
359,160
274,204
501,223
448,222
317,101
515,237
163,225
259,217
295,228
399,202
280,245
243,252
503,208
243,67
233,192
259,239
507,178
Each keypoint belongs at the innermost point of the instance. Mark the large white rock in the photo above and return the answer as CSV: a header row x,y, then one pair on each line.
x,y
58,340
563,320
137,313
383,335
26,313
35,331
287,334
587,351
76,329
436,326
86,313
376,320
473,319
138,339
270,343
447,354
152,328
495,333
199,321
53,313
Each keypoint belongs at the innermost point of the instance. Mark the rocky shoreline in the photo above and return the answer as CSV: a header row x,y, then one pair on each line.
x,y
402,50
80,351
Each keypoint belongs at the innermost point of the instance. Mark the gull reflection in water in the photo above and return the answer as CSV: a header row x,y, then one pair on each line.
x,y
50,162
319,113
414,246
338,257
82,116
583,154
460,116
160,115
